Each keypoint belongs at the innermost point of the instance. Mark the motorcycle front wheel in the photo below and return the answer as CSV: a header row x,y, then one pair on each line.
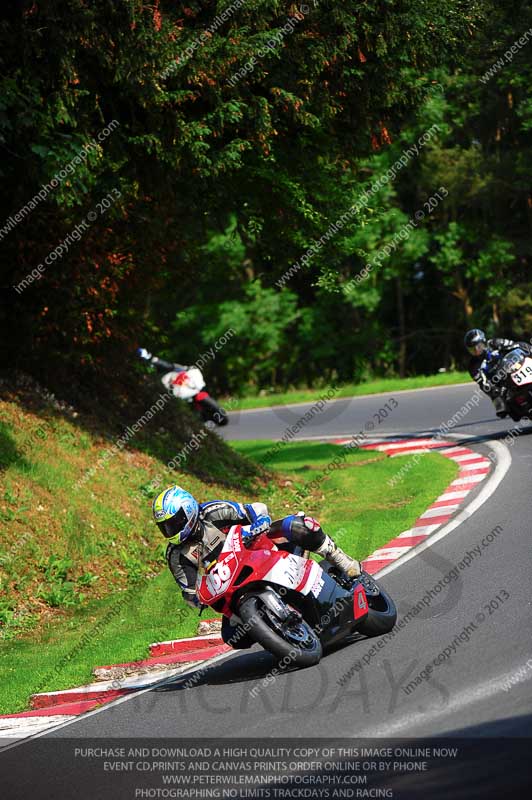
x,y
293,641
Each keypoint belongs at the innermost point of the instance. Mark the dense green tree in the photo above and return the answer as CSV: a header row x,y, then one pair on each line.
x,y
244,131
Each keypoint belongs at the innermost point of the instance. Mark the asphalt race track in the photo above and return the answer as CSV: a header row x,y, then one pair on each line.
x,y
466,692
466,695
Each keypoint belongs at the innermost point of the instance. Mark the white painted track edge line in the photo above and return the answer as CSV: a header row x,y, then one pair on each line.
x,y
504,460
186,639
116,702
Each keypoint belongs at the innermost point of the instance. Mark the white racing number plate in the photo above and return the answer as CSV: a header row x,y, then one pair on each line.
x,y
524,374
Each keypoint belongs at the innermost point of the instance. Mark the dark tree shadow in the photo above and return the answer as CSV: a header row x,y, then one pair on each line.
x,y
169,432
9,453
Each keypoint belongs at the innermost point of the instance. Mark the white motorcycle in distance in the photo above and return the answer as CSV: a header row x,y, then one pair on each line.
x,y
187,383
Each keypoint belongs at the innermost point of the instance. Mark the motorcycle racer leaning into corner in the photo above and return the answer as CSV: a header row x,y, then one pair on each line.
x,y
481,349
196,532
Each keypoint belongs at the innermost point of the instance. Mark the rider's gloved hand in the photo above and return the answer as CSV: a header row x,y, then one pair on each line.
x,y
143,353
260,525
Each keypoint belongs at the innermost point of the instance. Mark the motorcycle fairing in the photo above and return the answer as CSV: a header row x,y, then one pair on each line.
x,y
287,570
360,603
294,572
201,396
327,605
523,375
185,384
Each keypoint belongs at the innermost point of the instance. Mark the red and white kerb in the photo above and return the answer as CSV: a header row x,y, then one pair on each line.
x,y
474,468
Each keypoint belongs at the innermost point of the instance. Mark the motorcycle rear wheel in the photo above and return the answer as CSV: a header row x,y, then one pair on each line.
x,y
295,644
211,412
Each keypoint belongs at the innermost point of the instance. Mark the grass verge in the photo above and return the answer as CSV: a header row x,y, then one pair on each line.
x,y
82,576
82,568
351,390
110,631
355,503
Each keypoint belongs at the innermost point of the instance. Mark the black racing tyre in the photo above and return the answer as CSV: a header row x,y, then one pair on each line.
x,y
517,415
514,411
235,636
382,614
212,412
295,644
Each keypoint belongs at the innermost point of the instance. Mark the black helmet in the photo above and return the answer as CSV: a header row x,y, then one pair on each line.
x,y
476,342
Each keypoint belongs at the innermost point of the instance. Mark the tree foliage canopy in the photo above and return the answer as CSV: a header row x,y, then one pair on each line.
x,y
241,131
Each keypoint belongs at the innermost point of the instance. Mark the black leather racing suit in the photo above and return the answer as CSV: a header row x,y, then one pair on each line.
x,y
216,519
502,346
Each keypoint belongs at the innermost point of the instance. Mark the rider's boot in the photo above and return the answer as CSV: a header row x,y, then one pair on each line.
x,y
336,556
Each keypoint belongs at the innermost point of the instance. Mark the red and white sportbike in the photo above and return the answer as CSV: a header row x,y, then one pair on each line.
x,y
189,385
290,604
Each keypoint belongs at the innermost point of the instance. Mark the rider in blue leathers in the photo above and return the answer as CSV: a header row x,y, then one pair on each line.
x,y
196,532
